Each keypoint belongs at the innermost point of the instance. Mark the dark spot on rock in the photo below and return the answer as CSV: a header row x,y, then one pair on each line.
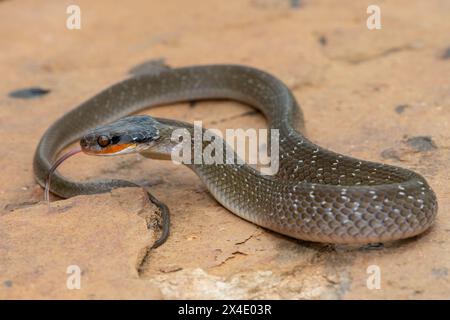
x,y
151,182
8,283
390,153
193,103
323,40
154,66
14,206
295,3
169,269
446,54
421,143
400,108
29,93
373,246
440,272
61,209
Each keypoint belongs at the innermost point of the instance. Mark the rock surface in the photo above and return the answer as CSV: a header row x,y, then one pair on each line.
x,y
349,81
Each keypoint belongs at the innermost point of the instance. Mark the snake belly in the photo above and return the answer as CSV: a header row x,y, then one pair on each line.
x,y
316,195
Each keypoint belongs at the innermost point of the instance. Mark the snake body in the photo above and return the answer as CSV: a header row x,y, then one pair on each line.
x,y
317,194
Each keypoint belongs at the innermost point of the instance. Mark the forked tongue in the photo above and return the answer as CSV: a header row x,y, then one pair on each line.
x,y
54,167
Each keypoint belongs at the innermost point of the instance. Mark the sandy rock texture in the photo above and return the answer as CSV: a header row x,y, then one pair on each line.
x,y
381,95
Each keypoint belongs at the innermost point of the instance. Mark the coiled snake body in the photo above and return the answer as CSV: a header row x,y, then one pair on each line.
x,y
316,195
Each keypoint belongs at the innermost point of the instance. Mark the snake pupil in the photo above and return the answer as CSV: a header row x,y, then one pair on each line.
x,y
103,141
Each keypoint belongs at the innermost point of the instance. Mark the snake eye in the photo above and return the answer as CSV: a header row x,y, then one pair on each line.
x,y
103,141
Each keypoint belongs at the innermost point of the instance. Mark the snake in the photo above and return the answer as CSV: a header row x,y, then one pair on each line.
x,y
316,195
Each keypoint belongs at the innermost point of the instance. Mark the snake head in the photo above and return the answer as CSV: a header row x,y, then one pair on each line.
x,y
127,135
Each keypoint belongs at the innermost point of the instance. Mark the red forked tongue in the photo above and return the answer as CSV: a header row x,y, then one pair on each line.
x,y
53,168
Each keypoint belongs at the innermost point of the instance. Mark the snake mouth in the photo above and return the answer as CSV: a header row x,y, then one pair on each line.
x,y
111,150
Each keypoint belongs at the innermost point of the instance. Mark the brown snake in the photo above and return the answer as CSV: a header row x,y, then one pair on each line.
x,y
317,194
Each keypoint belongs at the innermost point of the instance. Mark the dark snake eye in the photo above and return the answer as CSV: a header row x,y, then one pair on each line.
x,y
103,141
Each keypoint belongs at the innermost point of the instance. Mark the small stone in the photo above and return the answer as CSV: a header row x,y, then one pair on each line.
x,y
401,108
421,143
296,4
154,66
446,54
323,40
440,272
390,153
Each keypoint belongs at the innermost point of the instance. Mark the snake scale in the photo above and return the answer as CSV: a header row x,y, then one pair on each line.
x,y
316,195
